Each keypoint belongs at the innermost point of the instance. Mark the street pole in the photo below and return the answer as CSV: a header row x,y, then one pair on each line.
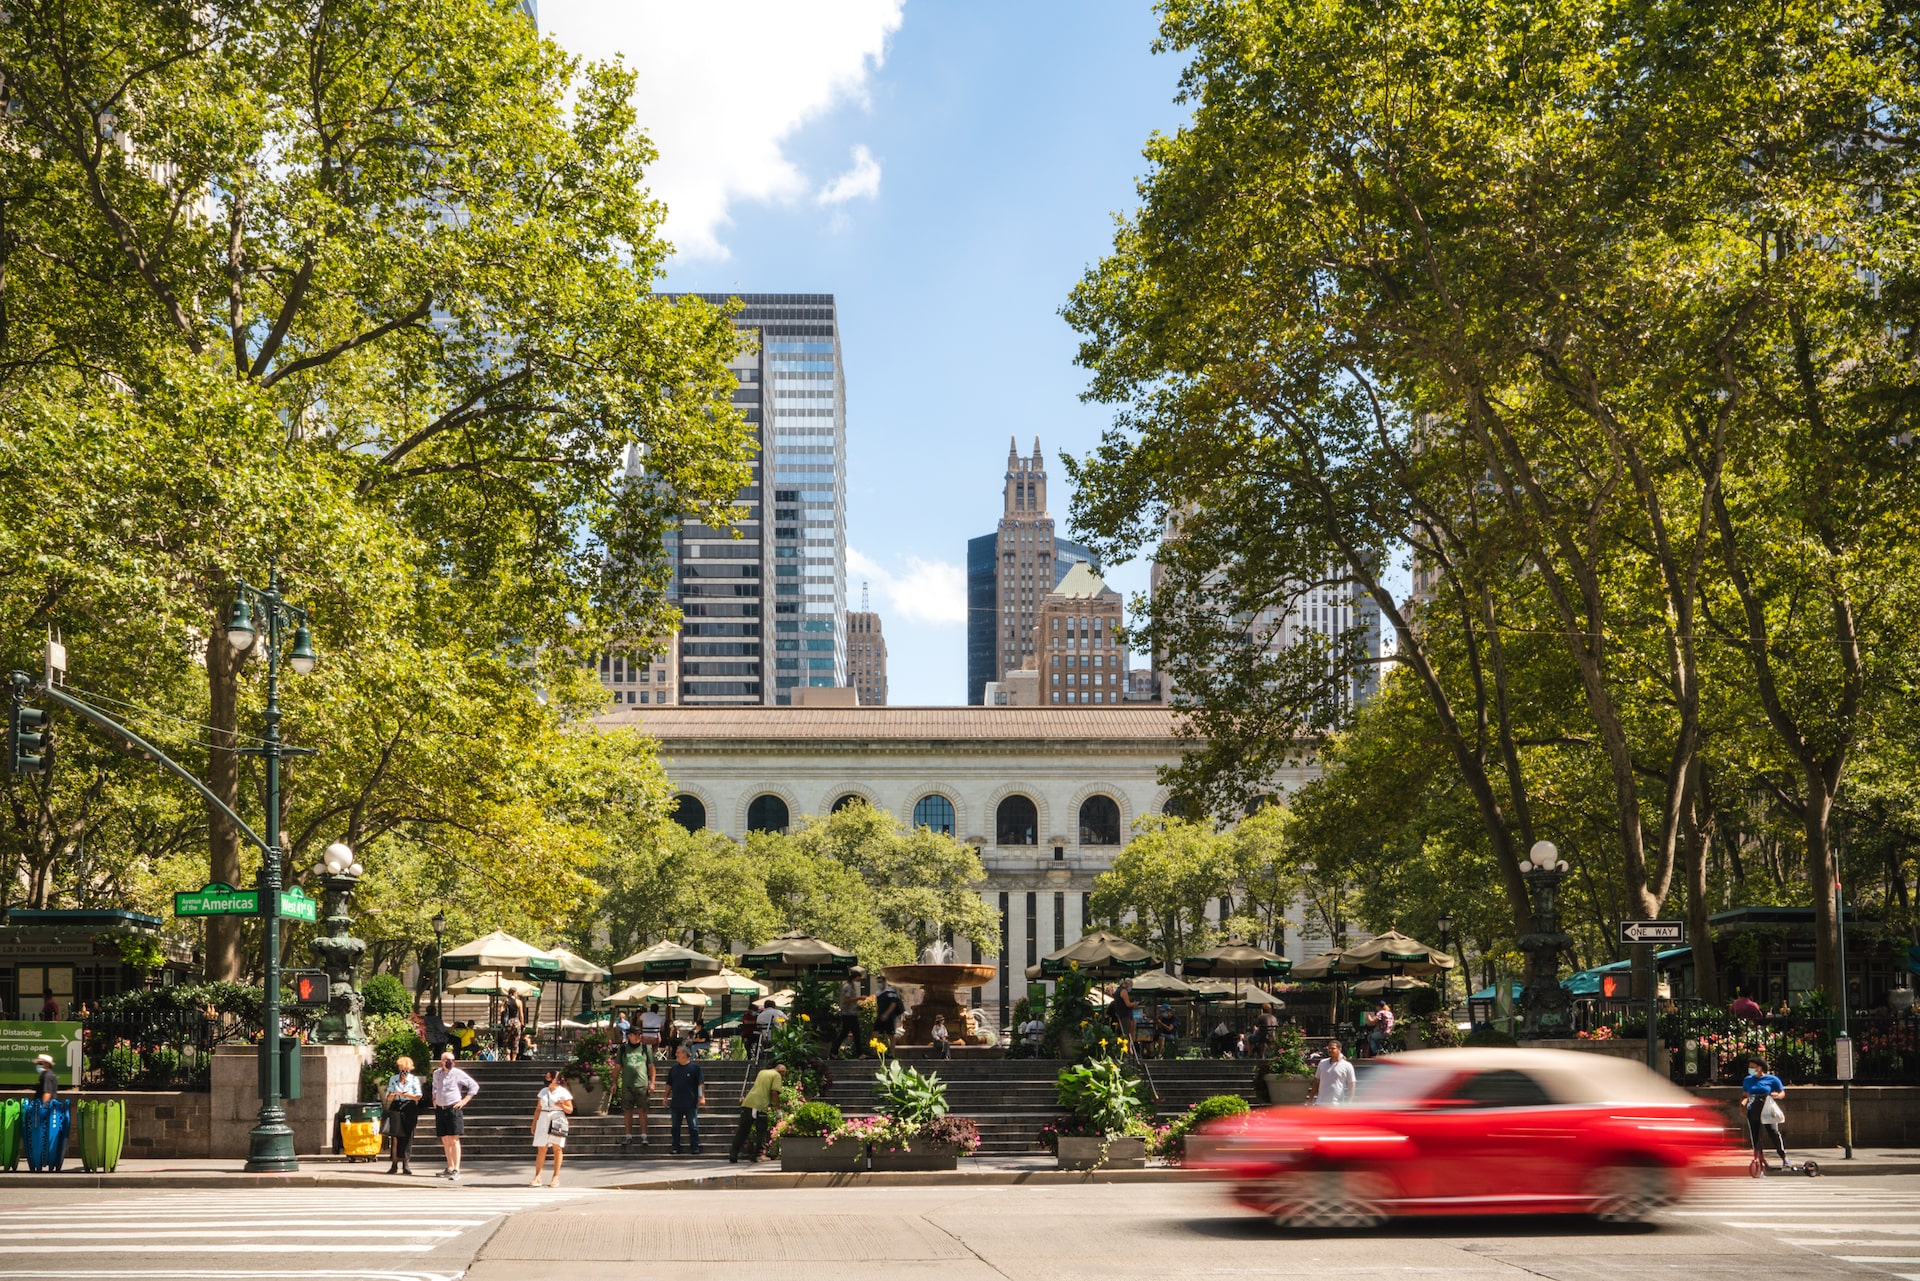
x,y
1843,1047
270,1142
1653,1007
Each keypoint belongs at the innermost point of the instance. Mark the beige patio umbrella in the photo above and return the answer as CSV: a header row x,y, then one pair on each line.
x,y
501,953
1102,954
1161,984
494,985
795,953
1379,987
575,969
1395,953
665,960
729,983
648,993
1325,968
1235,960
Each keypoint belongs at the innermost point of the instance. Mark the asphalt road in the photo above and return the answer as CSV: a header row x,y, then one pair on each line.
x,y
1777,1228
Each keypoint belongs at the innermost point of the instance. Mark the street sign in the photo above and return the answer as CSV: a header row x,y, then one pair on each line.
x,y
216,899
1843,1057
296,906
1653,931
20,1043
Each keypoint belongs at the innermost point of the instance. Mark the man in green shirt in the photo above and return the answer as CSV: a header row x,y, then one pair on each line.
x,y
754,1107
636,1085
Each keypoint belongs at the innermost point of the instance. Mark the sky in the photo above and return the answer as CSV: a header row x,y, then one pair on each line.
x,y
948,171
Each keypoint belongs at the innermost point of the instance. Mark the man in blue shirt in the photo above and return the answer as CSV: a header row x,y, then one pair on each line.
x,y
1762,1087
686,1095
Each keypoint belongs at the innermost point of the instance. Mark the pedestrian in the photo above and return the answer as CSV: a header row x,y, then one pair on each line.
x,y
463,1037
49,1084
653,1025
1333,1079
513,1017
887,1009
551,1109
1032,1033
750,1029
1745,1008
1122,1008
49,1009
1380,1028
754,1107
1167,1030
620,1026
942,1042
636,1084
686,1095
699,1041
401,1101
1267,1027
436,1028
1764,1091
849,1005
453,1089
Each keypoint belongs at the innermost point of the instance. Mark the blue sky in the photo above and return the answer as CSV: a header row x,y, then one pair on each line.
x,y
947,171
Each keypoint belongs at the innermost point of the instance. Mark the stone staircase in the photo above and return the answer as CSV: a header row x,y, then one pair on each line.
x,y
1008,1099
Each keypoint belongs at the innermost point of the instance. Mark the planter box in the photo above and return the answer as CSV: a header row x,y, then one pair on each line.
x,y
924,1156
1288,1091
804,1155
1085,1154
1203,1150
589,1100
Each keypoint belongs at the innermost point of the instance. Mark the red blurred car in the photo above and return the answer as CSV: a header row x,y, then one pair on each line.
x,y
1493,1131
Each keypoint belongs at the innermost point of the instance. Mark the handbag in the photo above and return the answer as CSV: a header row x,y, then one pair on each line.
x,y
1770,1113
559,1127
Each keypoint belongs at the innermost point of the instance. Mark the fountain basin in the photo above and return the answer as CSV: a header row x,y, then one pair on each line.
x,y
939,986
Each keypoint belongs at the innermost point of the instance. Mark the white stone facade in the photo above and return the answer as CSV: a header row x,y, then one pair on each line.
x,y
975,758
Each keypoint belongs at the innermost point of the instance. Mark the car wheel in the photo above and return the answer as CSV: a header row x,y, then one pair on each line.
x,y
1632,1193
1330,1199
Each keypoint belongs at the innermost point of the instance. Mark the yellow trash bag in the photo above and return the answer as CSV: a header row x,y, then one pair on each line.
x,y
360,1139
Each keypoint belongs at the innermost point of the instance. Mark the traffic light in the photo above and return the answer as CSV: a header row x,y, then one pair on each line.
x,y
311,988
29,745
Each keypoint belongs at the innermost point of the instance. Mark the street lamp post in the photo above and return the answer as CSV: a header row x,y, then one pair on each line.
x,y
1546,1007
338,951
1445,924
439,955
270,1142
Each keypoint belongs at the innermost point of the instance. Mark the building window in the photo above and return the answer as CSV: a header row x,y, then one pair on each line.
x,y
848,802
1099,821
1177,807
934,811
1017,822
689,813
767,814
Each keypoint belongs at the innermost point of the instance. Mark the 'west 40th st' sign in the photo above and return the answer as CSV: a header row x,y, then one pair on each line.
x,y
221,899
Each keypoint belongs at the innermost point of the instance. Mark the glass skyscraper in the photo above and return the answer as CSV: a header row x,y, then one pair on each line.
x,y
766,612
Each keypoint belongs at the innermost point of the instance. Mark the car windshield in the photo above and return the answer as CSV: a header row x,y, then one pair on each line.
x,y
1381,1083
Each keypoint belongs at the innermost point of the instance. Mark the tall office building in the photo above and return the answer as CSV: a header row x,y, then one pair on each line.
x,y
765,612
1009,571
1079,655
867,656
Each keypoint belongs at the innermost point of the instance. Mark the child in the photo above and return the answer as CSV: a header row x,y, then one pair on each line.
x,y
941,1040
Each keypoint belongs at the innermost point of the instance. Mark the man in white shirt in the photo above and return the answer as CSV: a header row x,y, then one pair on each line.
x,y
1334,1079
769,1015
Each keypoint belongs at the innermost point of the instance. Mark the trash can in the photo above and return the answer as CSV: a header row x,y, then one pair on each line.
x,y
356,1129
44,1130
103,1133
9,1133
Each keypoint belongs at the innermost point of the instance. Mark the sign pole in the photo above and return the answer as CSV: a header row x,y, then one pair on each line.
x,y
1653,1008
1843,1044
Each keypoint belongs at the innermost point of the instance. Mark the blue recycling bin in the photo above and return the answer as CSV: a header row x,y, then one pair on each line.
x,y
44,1131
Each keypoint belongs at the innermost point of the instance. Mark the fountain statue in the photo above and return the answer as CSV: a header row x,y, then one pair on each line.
x,y
939,980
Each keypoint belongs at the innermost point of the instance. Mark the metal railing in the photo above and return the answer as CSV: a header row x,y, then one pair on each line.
x,y
171,1050
1707,1045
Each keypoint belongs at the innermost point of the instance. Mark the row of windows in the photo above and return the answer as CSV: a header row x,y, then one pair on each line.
x,y
1016,822
1073,697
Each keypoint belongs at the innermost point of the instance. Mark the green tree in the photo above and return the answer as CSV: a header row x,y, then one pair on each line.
x,y
1157,891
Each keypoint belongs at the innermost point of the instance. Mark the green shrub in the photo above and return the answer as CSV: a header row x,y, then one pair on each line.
x,y
1101,1094
909,1096
160,1064
1483,1036
815,1120
1289,1054
392,1035
1423,1000
1218,1106
385,994
120,1067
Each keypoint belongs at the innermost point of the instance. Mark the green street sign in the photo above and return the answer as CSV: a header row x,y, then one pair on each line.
x,y
296,906
20,1042
216,899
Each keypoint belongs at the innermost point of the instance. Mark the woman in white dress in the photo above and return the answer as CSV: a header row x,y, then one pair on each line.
x,y
554,1105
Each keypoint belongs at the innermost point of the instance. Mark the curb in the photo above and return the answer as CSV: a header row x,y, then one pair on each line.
x,y
775,1180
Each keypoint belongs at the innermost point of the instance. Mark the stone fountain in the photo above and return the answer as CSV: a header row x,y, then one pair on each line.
x,y
939,980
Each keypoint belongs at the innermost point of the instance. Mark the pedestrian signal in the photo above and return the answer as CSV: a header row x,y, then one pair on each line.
x,y
311,987
29,745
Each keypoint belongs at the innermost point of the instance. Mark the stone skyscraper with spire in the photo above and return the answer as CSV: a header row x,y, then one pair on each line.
x,y
1010,571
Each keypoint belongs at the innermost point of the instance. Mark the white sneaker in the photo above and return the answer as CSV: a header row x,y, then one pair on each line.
x,y
454,1175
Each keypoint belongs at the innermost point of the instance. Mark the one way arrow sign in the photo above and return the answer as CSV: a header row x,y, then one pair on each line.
x,y
1653,931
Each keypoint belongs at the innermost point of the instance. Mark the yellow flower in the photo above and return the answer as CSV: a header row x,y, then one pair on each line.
x,y
1103,1042
806,1018
1073,965
1123,1043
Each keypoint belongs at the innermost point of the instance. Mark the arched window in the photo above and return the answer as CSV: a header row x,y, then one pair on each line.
x,y
689,813
1259,803
935,811
1177,807
1099,821
767,814
1016,822
848,801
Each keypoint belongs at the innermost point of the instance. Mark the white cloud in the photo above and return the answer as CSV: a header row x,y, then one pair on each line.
x,y
862,182
929,591
722,88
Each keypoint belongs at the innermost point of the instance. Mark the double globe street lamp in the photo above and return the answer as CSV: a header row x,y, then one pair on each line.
x,y
1546,1008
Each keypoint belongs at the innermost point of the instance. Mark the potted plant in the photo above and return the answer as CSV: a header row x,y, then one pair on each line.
x,y
813,1138
1110,1113
1285,1074
907,1135
592,1075
1186,1142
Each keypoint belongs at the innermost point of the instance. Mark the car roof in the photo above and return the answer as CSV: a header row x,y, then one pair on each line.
x,y
1571,1076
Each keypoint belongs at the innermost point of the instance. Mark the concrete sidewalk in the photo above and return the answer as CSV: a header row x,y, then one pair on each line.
x,y
714,1174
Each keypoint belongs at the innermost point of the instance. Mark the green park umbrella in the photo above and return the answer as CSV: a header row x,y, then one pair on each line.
x,y
500,953
796,953
1102,954
666,960
1235,960
1395,953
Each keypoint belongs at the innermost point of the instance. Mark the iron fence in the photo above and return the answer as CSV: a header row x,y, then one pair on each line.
x,y
1707,1045
165,1050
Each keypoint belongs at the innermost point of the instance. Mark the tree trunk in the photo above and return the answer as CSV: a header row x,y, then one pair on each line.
x,y
1697,833
1821,875
224,933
